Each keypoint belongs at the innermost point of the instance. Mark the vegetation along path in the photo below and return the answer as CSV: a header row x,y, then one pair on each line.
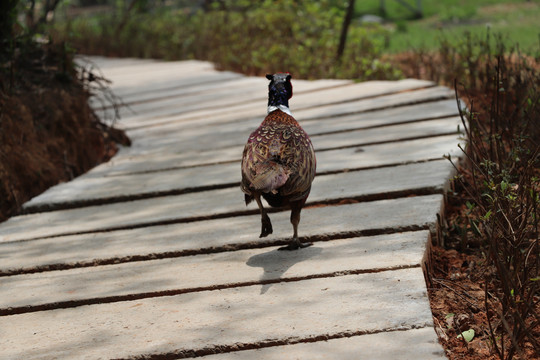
x,y
154,255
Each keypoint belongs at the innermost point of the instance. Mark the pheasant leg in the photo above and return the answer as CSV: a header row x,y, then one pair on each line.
x,y
295,220
266,228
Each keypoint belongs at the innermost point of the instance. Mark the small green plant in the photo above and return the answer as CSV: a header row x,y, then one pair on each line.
x,y
467,335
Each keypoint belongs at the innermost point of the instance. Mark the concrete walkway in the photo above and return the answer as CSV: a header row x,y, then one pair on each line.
x,y
155,256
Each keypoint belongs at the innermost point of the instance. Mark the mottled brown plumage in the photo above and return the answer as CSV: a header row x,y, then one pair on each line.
x,y
278,162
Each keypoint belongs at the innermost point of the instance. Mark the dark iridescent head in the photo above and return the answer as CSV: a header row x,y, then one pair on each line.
x,y
279,89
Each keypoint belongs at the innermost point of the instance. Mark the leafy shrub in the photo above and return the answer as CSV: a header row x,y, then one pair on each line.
x,y
301,38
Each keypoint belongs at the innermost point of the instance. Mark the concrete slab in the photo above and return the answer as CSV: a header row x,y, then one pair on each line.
x,y
385,117
166,81
403,180
187,274
194,273
220,137
418,344
356,92
136,72
185,82
234,89
132,89
307,309
386,154
138,158
211,93
245,111
228,173
131,84
203,87
254,92
255,99
318,223
399,99
395,133
307,95
131,66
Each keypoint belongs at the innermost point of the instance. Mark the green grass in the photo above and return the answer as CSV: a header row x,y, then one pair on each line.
x,y
516,19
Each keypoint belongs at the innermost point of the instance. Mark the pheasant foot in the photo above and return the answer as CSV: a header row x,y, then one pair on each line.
x,y
266,228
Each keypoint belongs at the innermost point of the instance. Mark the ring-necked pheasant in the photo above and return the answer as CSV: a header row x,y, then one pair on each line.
x,y
278,162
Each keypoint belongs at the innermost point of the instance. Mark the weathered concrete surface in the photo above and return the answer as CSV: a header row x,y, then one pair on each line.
x,y
417,344
338,121
306,93
234,136
362,137
138,158
182,271
90,188
146,76
152,113
173,324
218,202
399,99
232,133
199,272
244,111
203,87
195,140
222,234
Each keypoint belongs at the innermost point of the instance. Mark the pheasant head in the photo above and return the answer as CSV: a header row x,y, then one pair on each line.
x,y
279,90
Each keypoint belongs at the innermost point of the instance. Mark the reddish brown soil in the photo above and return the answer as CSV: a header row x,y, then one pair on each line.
x,y
457,291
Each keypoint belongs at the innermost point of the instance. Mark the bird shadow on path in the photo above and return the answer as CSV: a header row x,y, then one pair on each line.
x,y
275,263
